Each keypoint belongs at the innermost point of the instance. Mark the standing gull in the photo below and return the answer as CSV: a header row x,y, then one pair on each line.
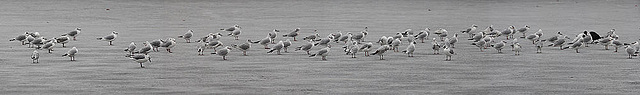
x,y
435,45
73,33
49,45
366,47
273,35
243,47
131,48
442,33
145,50
265,42
278,47
344,38
353,49
71,53
630,50
35,56
324,52
223,52
187,36
451,41
498,46
37,42
410,49
63,40
155,44
140,58
423,34
233,31
539,44
535,36
360,36
109,37
517,48
286,45
20,38
395,44
448,52
380,51
479,44
201,47
523,30
312,37
324,42
470,30
293,34
576,45
168,44
617,44
305,47
337,36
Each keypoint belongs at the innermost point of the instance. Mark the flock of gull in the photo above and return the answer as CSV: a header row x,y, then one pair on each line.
x,y
352,43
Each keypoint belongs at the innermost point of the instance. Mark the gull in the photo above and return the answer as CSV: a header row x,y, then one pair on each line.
x,y
324,42
423,34
451,41
234,31
37,41
535,36
305,47
344,38
286,45
441,33
353,49
514,41
604,42
383,40
140,58
187,36
488,29
265,42
62,40
407,32
243,47
360,36
587,39
539,44
273,35
277,47
211,37
131,48
612,34
223,52
34,34
499,46
480,44
324,52
145,49
630,50
517,48
477,36
394,45
576,45
214,45
617,44
410,38
366,47
554,38
293,34
73,33
523,30
559,42
312,37
71,53
580,36
109,37
201,47
410,49
49,45
435,46
397,36
488,40
508,32
448,52
337,36
35,56
20,38
168,44
380,51
470,30
155,44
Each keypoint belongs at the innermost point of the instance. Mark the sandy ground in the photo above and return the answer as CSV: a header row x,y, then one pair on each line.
x,y
103,69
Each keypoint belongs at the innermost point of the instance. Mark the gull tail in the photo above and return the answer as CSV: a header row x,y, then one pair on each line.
x,y
99,38
312,55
